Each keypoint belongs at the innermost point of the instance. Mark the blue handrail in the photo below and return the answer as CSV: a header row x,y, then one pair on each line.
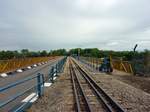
x,y
17,83
39,85
58,68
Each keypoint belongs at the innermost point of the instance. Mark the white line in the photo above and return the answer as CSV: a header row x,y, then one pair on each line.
x,y
35,65
54,78
29,67
47,84
34,99
4,75
54,74
39,64
19,70
30,97
42,63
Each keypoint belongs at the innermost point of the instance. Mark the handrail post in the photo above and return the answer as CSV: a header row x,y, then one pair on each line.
x,y
42,85
59,67
39,89
56,69
51,74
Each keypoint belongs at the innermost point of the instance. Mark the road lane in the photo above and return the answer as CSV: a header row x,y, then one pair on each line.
x,y
18,76
44,69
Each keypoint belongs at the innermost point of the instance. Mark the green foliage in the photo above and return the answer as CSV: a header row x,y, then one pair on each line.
x,y
43,53
24,53
59,52
88,52
94,52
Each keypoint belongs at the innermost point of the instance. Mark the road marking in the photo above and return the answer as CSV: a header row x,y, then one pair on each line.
x,y
4,75
30,97
54,74
54,78
19,70
29,67
39,64
42,63
47,84
35,65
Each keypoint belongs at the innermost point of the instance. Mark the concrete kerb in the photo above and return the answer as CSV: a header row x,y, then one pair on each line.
x,y
20,70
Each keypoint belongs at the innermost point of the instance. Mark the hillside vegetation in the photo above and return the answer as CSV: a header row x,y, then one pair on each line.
x,y
88,52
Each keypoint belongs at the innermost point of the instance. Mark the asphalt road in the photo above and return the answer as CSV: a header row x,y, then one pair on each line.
x,y
44,69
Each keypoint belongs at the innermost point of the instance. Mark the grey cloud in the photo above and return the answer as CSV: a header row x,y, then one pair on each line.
x,y
52,24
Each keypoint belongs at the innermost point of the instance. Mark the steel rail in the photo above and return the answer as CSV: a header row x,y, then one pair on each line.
x,y
88,107
109,103
74,89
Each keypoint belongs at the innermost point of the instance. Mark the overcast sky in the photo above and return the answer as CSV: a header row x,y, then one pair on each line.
x,y
52,24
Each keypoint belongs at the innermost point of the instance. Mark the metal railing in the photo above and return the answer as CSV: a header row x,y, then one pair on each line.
x,y
124,66
37,86
141,66
13,64
58,68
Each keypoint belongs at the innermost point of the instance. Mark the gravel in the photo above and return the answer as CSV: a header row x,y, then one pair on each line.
x,y
132,99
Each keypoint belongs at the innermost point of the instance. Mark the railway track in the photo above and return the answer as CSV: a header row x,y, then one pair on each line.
x,y
89,97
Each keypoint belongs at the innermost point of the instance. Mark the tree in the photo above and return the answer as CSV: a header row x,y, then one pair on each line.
x,y
58,52
25,52
43,53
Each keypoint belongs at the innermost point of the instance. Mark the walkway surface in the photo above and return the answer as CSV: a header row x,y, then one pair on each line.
x,y
58,97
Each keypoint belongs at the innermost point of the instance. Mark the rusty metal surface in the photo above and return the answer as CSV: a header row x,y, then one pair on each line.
x,y
125,66
13,64
117,64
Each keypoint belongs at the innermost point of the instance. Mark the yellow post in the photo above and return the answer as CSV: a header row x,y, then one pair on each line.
x,y
124,67
111,62
131,69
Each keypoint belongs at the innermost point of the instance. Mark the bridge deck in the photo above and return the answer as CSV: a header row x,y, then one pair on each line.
x,y
44,69
59,96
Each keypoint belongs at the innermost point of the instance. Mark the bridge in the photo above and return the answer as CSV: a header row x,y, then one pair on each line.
x,y
76,81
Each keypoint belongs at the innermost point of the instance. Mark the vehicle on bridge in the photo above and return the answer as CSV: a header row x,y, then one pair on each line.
x,y
106,66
